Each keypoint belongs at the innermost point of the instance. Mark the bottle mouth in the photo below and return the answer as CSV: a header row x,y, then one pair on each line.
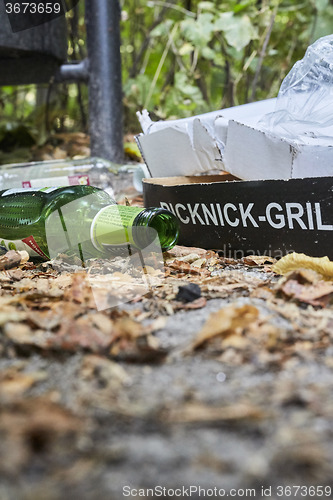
x,y
154,223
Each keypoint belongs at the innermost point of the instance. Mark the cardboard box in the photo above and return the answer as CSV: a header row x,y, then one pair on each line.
x,y
237,217
251,153
232,140
271,217
193,145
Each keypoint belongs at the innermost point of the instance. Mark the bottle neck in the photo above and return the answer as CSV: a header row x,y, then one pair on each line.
x,y
152,223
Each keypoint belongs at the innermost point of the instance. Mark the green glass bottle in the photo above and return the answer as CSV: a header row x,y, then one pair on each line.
x,y
79,220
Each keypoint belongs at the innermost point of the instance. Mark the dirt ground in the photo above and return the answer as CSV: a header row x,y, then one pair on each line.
x,y
224,386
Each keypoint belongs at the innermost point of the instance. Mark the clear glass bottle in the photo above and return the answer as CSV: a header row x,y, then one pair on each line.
x,y
79,220
96,172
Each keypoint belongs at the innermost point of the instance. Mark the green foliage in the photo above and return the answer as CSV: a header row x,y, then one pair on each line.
x,y
237,29
183,57
182,61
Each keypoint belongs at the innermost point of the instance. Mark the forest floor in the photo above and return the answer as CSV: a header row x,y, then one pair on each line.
x,y
225,384
217,374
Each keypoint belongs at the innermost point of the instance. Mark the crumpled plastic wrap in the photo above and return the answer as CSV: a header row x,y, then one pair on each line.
x,y
304,107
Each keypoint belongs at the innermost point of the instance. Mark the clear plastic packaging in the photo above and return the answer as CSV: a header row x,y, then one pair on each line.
x,y
304,107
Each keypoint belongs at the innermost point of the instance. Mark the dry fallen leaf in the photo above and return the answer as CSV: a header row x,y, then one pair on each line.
x,y
196,412
179,251
104,371
318,294
191,257
258,260
295,261
226,322
133,342
196,304
81,333
182,268
13,383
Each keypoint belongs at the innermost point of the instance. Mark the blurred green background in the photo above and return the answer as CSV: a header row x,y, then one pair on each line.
x,y
179,58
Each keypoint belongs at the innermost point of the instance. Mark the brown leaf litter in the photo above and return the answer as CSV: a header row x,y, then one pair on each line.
x,y
54,306
306,286
264,329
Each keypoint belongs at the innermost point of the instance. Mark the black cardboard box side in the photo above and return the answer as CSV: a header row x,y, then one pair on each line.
x,y
271,217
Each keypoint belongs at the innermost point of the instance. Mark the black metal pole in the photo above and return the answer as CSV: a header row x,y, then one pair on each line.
x,y
105,89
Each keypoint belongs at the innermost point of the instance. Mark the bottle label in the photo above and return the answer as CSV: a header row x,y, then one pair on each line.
x,y
112,226
71,180
25,190
28,244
